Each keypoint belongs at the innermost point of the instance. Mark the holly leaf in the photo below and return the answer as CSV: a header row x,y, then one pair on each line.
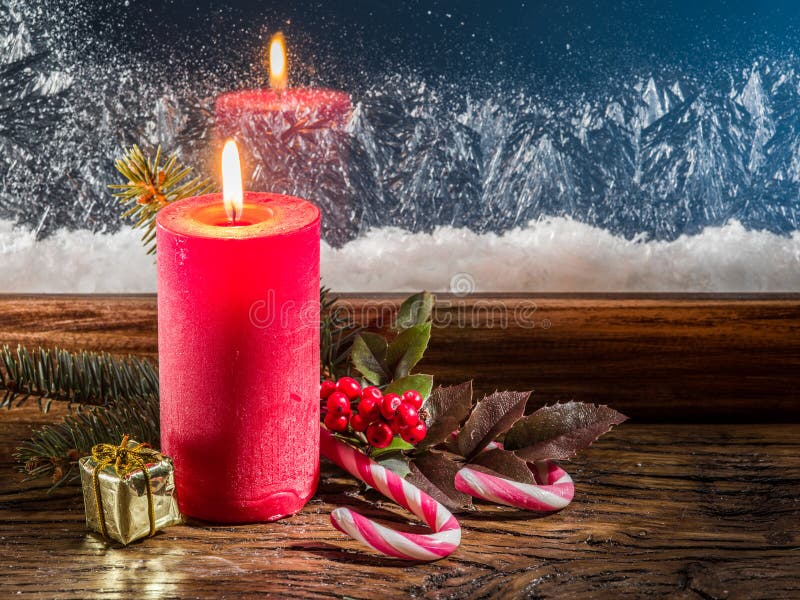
x,y
559,431
446,409
407,348
422,383
491,416
369,357
349,439
434,474
396,462
503,463
396,445
415,310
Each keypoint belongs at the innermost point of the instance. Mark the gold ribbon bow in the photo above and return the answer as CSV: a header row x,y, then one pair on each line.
x,y
125,461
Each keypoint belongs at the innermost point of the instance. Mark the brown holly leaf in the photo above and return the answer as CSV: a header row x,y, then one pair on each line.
x,y
491,416
446,409
435,474
395,461
503,463
559,431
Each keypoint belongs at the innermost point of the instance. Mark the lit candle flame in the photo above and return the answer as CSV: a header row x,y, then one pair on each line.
x,y
231,181
278,67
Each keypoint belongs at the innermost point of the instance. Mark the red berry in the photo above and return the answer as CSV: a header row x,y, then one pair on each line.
x,y
407,415
357,422
389,406
413,397
326,388
349,387
372,392
379,435
338,404
369,409
415,434
336,422
396,426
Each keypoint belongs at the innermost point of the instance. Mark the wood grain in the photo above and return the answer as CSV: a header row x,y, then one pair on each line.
x,y
680,511
656,358
691,510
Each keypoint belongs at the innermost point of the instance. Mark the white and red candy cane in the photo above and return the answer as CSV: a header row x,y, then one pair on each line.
x,y
446,535
552,491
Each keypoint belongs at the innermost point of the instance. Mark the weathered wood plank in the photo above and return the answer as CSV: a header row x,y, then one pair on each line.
x,y
684,511
676,358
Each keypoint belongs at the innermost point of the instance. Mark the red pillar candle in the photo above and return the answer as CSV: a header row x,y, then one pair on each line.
x,y
306,108
238,335
277,111
295,140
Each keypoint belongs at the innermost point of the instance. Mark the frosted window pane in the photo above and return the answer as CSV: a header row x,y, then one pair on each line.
x,y
525,146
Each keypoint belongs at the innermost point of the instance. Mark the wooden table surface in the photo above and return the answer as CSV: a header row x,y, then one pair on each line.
x,y
686,510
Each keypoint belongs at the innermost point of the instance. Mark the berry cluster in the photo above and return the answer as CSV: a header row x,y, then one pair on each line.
x,y
380,417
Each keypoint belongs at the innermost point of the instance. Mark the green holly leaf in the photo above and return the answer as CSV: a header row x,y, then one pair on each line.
x,y
503,463
557,432
352,440
369,357
491,416
446,409
397,444
396,462
415,310
434,473
406,349
422,383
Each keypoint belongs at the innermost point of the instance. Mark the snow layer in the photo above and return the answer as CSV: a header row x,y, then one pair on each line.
x,y
552,255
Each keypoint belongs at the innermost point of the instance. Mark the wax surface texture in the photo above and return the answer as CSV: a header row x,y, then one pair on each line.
x,y
238,335
293,104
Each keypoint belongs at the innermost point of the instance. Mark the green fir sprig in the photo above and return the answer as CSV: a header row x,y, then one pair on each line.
x,y
112,396
152,183
75,377
53,451
337,332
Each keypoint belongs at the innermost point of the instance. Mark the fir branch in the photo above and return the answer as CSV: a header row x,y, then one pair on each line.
x,y
54,450
77,377
337,334
152,184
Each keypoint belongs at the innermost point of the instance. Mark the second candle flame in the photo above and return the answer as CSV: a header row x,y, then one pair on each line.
x,y
278,71
232,195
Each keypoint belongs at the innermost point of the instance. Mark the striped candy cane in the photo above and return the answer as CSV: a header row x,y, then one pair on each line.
x,y
552,491
446,535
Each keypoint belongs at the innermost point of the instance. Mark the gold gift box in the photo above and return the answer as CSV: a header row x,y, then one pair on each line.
x,y
125,501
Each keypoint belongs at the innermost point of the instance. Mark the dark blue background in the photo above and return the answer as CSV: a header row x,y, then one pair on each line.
x,y
578,41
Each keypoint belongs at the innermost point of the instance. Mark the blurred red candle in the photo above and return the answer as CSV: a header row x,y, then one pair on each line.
x,y
318,107
279,109
238,336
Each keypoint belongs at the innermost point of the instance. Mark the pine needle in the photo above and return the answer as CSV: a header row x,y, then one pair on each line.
x,y
151,185
75,377
54,450
337,334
